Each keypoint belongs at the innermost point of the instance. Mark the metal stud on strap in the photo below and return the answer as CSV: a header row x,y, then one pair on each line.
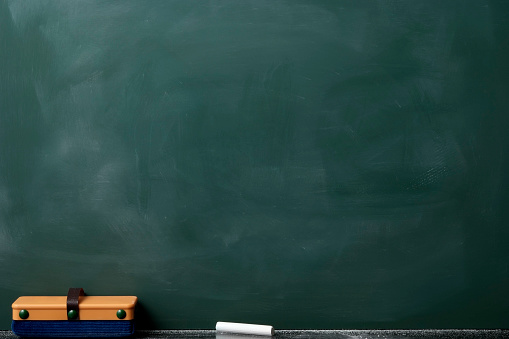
x,y
73,297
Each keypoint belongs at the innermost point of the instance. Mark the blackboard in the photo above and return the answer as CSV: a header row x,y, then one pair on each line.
x,y
304,164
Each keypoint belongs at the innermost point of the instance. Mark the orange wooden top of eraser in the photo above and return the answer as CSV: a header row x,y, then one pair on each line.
x,y
90,307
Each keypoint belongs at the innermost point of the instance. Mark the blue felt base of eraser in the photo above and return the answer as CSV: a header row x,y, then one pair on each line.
x,y
72,329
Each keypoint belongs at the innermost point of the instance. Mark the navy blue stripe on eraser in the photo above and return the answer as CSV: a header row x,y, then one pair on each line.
x,y
72,329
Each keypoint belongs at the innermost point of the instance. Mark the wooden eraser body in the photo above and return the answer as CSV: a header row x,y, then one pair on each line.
x,y
91,307
74,316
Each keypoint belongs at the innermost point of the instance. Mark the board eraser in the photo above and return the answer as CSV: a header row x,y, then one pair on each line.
x,y
240,328
74,316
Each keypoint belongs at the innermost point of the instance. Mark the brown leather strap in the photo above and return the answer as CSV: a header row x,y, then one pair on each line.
x,y
73,297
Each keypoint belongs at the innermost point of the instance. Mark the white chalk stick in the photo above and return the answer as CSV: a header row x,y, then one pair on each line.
x,y
240,328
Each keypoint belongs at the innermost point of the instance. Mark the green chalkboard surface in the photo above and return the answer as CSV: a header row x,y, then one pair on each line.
x,y
305,164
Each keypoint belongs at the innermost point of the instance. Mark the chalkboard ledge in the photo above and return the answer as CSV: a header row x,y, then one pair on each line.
x,y
316,334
